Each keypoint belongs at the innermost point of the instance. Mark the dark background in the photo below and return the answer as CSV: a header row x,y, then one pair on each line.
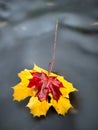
x,y
26,37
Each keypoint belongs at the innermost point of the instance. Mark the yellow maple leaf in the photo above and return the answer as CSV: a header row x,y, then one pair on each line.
x,y
45,91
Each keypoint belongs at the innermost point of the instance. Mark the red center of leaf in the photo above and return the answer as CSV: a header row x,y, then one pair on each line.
x,y
45,85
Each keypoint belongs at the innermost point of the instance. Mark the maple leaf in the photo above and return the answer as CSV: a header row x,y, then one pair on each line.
x,y
38,85
45,85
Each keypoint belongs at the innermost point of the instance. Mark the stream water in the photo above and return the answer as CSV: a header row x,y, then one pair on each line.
x,y
26,37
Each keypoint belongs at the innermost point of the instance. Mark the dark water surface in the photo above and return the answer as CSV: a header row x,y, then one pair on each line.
x,y
26,37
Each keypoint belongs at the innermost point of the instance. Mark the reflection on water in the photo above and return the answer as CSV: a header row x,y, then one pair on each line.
x,y
26,37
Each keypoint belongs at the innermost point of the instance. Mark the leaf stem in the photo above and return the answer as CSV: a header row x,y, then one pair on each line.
x,y
54,50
